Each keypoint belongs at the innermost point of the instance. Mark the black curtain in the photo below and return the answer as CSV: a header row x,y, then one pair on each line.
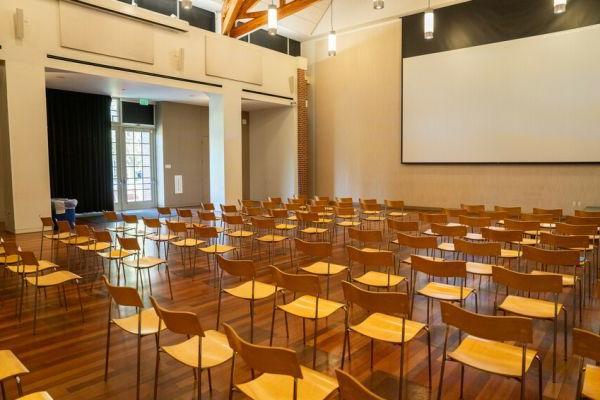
x,y
79,146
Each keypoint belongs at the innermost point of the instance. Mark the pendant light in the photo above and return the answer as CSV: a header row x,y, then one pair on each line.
x,y
428,22
378,4
186,4
560,6
331,38
272,19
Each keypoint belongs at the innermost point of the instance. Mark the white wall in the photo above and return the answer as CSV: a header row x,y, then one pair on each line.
x,y
354,106
273,152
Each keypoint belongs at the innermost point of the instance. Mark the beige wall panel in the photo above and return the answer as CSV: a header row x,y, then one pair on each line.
x,y
225,58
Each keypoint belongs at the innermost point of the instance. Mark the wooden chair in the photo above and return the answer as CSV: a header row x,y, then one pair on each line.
x,y
281,215
450,233
250,289
487,254
513,212
496,217
346,218
111,254
131,220
585,213
53,279
184,241
557,213
11,367
308,306
265,234
368,240
93,245
140,262
82,236
378,260
202,350
153,232
475,224
165,213
276,200
417,244
143,322
538,308
428,218
112,218
485,348
386,320
473,208
186,216
394,209
574,220
372,213
587,345
320,255
453,214
440,291
531,230
351,389
546,221
48,222
308,225
209,218
209,236
234,229
508,238
282,376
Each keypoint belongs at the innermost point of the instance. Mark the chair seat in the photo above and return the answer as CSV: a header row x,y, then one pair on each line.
x,y
189,242
388,328
76,241
216,249
115,254
567,280
304,307
591,382
429,232
314,385
474,236
374,218
494,357
444,291
96,246
348,223
379,279
445,246
10,365
479,268
532,308
526,242
407,260
370,250
215,350
162,237
144,262
149,322
53,278
30,269
285,227
10,259
271,238
397,214
59,236
510,253
239,234
324,268
244,290
313,230
370,212
120,229
36,396
292,218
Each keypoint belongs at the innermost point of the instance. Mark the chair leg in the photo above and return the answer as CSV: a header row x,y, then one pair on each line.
x,y
107,352
169,279
462,380
554,348
315,345
540,387
251,321
156,373
439,396
401,377
429,356
138,372
80,302
219,310
272,326
565,332
346,334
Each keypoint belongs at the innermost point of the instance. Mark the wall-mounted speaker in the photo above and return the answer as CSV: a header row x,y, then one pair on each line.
x,y
292,82
19,24
180,59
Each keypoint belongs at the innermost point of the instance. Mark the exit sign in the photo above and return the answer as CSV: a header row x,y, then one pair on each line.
x,y
144,102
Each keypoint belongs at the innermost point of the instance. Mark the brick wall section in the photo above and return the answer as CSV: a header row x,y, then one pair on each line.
x,y
303,170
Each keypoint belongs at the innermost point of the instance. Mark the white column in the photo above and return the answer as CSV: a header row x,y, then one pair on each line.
x,y
24,129
225,143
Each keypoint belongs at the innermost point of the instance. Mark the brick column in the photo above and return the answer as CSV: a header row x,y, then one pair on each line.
x,y
303,170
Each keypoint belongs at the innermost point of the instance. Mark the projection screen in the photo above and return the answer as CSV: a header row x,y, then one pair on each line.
x,y
529,100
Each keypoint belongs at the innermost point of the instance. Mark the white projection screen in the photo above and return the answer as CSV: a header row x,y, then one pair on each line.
x,y
530,100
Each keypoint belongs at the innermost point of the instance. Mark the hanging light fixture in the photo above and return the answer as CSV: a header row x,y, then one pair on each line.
x,y
560,6
331,38
186,4
272,18
378,4
428,21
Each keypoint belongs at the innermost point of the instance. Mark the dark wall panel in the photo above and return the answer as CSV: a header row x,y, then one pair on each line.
x,y
294,48
134,113
481,22
199,18
275,42
166,7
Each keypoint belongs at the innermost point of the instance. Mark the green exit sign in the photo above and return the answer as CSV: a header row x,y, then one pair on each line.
x,y
144,102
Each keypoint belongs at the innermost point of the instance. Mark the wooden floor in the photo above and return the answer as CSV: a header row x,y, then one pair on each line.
x,y
66,356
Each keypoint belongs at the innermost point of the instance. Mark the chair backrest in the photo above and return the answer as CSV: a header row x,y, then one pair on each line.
x,y
278,212
527,282
130,244
494,215
153,223
391,303
439,268
557,213
110,216
267,205
322,203
47,222
271,360
505,235
585,213
497,328
164,211
63,226
251,211
367,201
228,208
322,198
417,242
184,213
565,241
352,389
205,232
302,283
208,207
365,236
316,208
382,258
370,207
570,229
344,200
455,212
27,258
484,249
298,202
293,206
181,322
473,208
475,222
433,218
207,216
314,249
394,204
522,225
10,249
450,231
586,344
310,216
344,211
130,218
241,268
513,212
276,200
263,223
82,230
551,257
245,204
233,219
537,217
177,227
402,226
570,219
103,237
123,295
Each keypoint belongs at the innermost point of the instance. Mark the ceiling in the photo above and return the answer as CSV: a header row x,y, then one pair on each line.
x,y
133,90
314,20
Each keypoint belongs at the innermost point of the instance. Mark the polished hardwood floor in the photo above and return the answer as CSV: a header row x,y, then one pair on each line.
x,y
66,356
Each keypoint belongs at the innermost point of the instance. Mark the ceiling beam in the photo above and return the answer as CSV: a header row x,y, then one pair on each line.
x,y
248,4
230,12
287,9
